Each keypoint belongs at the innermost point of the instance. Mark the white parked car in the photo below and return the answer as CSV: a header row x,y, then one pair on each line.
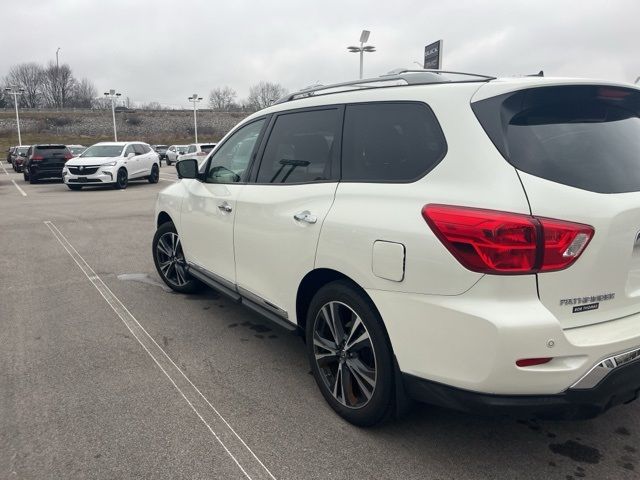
x,y
197,150
112,163
462,240
76,149
173,151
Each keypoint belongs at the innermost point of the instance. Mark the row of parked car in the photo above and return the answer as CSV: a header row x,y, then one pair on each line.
x,y
174,153
105,163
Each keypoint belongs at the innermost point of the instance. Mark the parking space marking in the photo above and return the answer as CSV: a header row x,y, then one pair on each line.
x,y
246,460
24,194
5,170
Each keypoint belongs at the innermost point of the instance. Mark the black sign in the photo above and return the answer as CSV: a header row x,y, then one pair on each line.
x,y
433,56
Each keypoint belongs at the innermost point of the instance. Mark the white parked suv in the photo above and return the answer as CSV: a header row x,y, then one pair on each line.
x,y
466,241
173,151
112,163
197,150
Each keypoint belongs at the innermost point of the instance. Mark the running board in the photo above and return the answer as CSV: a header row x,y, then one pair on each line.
x,y
226,288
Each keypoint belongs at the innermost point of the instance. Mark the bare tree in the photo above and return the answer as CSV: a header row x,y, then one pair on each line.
x,y
222,98
264,94
83,94
58,85
28,76
151,106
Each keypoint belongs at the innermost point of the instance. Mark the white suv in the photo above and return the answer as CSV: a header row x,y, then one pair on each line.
x,y
466,241
197,151
112,163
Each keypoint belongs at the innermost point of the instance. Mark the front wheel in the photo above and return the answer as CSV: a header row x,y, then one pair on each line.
x,y
122,180
349,354
170,262
155,174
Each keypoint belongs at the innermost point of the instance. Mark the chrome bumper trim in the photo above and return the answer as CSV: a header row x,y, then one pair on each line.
x,y
606,366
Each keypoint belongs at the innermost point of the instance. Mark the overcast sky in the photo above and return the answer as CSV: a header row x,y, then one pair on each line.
x,y
165,50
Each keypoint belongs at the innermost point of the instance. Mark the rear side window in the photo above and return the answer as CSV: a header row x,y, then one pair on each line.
x,y
207,148
301,147
390,142
586,137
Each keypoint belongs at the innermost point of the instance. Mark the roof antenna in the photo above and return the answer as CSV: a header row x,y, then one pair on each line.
x,y
539,74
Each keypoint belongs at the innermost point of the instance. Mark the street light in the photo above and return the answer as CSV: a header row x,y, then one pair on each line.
x,y
58,78
112,94
364,37
195,99
15,91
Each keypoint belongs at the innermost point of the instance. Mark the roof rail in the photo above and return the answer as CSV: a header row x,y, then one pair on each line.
x,y
409,77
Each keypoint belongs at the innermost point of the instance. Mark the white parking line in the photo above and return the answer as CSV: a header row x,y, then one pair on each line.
x,y
5,170
233,444
24,194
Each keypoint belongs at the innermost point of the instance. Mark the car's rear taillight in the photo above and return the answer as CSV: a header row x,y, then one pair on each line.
x,y
36,158
68,156
490,241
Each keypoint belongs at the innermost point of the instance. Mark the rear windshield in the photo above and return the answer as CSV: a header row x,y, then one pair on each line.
x,y
207,148
102,151
49,148
22,150
586,137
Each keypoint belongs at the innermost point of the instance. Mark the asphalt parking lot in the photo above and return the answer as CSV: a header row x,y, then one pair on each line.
x,y
105,374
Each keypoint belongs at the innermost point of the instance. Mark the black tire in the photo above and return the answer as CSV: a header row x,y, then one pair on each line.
x,y
25,174
32,179
74,187
168,162
122,179
357,407
155,174
169,275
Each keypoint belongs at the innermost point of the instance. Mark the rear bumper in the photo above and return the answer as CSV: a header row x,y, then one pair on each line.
x,y
620,386
44,172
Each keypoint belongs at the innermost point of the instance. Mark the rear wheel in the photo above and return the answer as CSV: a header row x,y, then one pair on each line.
x,y
122,180
25,175
170,262
32,179
155,174
349,354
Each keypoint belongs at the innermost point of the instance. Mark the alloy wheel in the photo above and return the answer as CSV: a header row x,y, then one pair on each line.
x,y
344,354
171,259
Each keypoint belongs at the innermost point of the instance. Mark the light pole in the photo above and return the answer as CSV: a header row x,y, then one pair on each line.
x,y
112,94
16,92
58,78
195,99
364,37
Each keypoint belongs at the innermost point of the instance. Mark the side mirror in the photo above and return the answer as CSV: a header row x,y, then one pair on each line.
x,y
131,154
187,168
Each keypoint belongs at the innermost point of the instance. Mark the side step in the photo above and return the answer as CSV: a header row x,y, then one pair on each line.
x,y
230,291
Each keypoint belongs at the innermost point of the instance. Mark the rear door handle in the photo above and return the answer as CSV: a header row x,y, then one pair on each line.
x,y
225,207
305,217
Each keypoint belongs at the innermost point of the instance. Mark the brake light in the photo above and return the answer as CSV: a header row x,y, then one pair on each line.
x,y
36,158
68,156
495,242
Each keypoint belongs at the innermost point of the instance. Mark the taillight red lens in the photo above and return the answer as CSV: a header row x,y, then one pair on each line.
x,y
490,241
68,156
36,158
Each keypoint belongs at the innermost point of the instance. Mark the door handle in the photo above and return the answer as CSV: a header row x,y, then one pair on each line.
x,y
305,217
225,207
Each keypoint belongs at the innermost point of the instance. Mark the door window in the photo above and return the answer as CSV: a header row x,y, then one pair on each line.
x,y
139,149
129,150
390,142
301,147
229,164
191,149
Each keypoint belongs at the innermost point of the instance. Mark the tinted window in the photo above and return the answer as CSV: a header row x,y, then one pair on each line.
x,y
192,148
51,149
300,147
229,164
207,148
390,142
129,150
583,136
139,149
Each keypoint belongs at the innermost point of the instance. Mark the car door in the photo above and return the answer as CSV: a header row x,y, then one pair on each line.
x,y
130,162
138,161
280,213
208,211
147,160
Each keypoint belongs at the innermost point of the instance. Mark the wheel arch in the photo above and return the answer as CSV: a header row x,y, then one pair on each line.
x,y
163,217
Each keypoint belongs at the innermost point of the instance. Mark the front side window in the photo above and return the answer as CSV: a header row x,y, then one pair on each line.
x,y
390,142
301,147
139,149
229,164
192,149
129,150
